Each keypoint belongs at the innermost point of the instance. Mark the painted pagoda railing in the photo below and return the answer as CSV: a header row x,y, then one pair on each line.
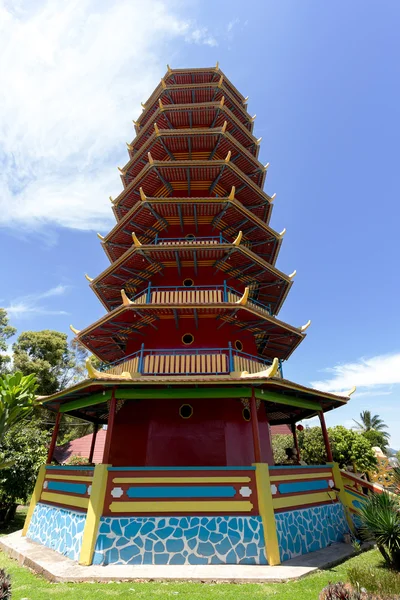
x,y
199,361
204,294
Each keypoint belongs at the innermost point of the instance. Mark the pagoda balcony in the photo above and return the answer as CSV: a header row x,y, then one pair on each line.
x,y
199,361
204,294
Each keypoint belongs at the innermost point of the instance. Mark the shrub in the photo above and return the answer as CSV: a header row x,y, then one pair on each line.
x,y
5,585
375,580
77,460
380,518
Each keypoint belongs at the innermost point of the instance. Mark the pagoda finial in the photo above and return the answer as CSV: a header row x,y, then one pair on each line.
x,y
272,197
169,69
266,167
232,193
95,374
258,142
142,194
160,104
306,326
238,239
222,101
267,373
243,300
125,299
101,237
156,129
228,156
151,159
217,66
221,79
224,126
282,233
164,85
350,392
135,240
75,331
90,279
292,274
253,118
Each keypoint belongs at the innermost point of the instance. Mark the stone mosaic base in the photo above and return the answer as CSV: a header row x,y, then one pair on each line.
x,y
58,529
180,541
310,529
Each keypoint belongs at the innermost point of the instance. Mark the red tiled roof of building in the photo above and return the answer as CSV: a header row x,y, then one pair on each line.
x,y
280,430
81,447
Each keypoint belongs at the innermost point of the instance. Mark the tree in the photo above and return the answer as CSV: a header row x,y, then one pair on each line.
x,y
371,423
47,354
6,331
376,439
17,400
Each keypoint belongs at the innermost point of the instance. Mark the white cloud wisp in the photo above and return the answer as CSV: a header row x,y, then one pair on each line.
x,y
28,306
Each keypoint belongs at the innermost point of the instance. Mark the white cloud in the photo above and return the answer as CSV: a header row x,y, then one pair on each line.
x,y
28,306
367,374
72,76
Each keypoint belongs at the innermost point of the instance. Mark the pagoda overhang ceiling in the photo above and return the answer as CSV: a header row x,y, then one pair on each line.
x,y
194,144
139,264
154,216
108,336
208,178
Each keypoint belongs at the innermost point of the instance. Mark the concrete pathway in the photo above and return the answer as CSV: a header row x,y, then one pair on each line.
x,y
58,568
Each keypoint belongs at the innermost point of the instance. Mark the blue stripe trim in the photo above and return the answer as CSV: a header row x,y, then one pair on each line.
x,y
181,468
356,494
182,492
67,468
301,466
66,486
302,486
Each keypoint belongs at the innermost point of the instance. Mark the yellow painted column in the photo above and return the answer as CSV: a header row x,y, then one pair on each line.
x,y
94,511
267,514
35,497
339,484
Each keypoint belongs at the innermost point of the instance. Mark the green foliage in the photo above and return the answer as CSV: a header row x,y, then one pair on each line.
x,y
26,447
6,331
384,582
380,518
47,354
78,460
377,439
371,422
279,443
17,400
5,585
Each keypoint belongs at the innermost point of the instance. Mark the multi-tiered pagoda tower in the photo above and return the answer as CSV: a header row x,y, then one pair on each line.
x,y
191,351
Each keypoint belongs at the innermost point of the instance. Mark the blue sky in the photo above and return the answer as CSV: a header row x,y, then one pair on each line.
x,y
323,79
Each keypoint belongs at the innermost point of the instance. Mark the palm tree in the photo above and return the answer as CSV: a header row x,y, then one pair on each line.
x,y
371,423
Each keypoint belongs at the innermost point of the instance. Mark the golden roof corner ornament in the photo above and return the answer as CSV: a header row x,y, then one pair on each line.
x,y
282,233
272,198
253,118
95,374
217,66
151,159
160,104
75,331
135,240
101,237
265,374
228,156
156,129
350,392
142,194
224,126
128,145
90,279
136,124
169,69
143,105
222,101
266,166
221,79
292,274
243,300
122,171
238,239
306,326
246,100
232,193
258,142
125,299
164,85
111,199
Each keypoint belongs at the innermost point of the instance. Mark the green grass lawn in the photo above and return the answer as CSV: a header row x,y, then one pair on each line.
x,y
28,586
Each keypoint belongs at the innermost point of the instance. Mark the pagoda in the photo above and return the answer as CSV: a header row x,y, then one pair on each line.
x,y
191,351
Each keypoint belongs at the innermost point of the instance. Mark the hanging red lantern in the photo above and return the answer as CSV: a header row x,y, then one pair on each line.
x,y
300,428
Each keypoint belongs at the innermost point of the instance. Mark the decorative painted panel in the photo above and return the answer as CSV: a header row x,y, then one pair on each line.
x,y
191,540
169,490
67,486
57,528
293,487
310,529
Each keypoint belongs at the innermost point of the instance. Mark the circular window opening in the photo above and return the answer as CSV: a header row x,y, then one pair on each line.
x,y
190,237
186,411
188,339
188,282
246,414
238,345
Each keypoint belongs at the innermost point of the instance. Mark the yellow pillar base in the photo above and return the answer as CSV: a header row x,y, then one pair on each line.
x,y
35,497
337,478
94,511
267,514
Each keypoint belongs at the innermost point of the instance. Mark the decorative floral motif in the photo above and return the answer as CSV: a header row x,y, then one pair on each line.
x,y
180,540
58,529
310,529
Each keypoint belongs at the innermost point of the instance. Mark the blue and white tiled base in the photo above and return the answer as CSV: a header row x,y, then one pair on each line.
x,y
180,541
310,529
58,529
